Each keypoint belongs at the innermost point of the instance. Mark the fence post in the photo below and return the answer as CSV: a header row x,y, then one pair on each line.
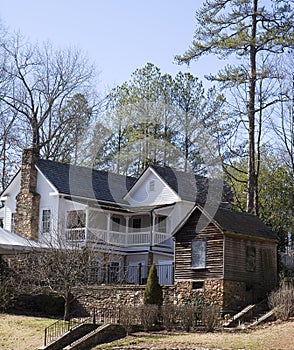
x,y
94,316
140,273
45,337
173,272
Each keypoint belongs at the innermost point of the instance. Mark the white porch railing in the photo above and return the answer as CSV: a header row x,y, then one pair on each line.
x,y
117,238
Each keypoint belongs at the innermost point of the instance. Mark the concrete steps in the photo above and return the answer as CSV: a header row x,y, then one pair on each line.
x,y
103,334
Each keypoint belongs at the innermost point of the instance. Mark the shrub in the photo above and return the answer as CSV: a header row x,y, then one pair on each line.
x,y
169,315
153,290
210,316
148,316
6,296
282,302
6,292
128,317
186,316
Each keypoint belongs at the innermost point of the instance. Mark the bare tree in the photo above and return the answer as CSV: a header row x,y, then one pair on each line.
x,y
42,80
283,115
57,268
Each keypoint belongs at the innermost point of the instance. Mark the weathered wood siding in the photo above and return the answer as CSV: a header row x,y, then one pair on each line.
x,y
183,251
264,274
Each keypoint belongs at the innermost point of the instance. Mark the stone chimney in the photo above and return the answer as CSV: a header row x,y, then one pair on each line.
x,y
27,201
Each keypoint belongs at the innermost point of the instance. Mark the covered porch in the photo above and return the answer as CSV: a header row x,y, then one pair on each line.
x,y
123,229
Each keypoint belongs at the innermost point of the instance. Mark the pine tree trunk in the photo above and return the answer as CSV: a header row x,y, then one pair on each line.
x,y
252,176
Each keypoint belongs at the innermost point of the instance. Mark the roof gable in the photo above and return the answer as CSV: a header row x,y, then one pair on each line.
x,y
141,193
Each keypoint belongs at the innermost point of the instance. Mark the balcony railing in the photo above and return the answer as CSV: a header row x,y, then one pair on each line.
x,y
124,239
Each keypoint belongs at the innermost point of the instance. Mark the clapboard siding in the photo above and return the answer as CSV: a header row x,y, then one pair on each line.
x,y
235,265
214,251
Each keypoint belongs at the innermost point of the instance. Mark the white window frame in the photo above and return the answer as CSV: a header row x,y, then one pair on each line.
x,y
48,221
12,221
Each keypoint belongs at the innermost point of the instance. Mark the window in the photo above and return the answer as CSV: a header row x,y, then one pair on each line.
x,y
75,224
76,219
250,259
137,224
46,220
199,253
113,272
12,222
161,223
197,285
115,224
152,186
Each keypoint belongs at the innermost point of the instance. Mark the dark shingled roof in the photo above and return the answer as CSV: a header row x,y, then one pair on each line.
x,y
85,182
227,220
100,185
243,223
195,188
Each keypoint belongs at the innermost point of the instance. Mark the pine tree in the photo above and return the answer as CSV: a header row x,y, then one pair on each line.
x,y
248,29
153,290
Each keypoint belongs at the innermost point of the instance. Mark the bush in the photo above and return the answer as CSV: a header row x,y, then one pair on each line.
x,y
153,290
282,302
6,296
6,291
128,318
210,316
169,315
148,316
186,315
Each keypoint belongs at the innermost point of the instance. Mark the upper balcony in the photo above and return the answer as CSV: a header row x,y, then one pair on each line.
x,y
124,230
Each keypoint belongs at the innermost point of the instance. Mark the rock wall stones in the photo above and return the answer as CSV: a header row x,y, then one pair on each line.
x,y
235,295
211,291
114,297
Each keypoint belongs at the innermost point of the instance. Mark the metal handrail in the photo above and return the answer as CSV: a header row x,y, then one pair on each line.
x,y
60,327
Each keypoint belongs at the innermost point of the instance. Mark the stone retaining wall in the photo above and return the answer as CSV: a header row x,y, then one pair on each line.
x,y
114,297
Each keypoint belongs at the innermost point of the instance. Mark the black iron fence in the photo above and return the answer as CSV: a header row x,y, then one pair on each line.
x,y
116,274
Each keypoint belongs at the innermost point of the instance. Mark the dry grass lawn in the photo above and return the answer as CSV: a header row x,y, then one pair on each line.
x,y
26,333
273,336
22,332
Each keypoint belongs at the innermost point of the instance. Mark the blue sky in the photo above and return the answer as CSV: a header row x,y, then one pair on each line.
x,y
118,36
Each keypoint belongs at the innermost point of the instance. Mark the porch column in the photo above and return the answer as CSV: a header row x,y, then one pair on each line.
x,y
108,227
127,230
153,230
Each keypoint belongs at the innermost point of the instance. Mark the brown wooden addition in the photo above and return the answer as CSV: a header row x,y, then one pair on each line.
x,y
230,257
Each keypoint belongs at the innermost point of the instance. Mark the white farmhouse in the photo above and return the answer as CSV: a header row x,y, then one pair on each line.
x,y
131,218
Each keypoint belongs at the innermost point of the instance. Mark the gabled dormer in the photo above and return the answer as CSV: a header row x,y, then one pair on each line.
x,y
151,189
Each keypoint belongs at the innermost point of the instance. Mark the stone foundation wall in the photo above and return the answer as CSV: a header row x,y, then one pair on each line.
x,y
114,297
212,291
235,296
230,295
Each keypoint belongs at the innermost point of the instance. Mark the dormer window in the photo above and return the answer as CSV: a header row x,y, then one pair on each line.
x,y
151,185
